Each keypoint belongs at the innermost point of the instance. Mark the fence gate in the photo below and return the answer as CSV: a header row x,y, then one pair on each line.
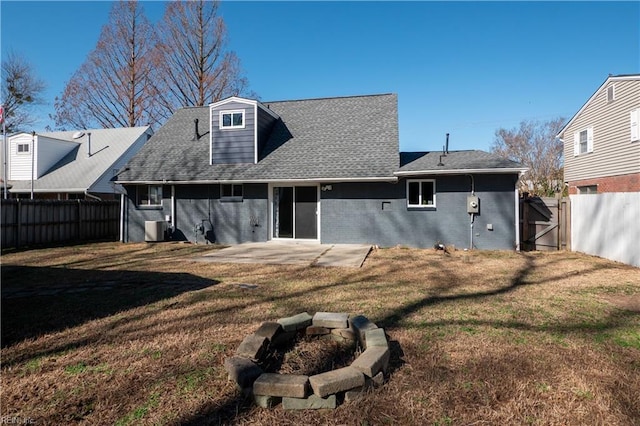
x,y
545,223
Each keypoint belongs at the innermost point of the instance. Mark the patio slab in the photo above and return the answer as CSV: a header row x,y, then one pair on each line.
x,y
291,253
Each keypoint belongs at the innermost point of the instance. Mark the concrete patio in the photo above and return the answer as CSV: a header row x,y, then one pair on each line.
x,y
292,253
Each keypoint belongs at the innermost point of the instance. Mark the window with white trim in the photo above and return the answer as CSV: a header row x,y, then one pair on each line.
x,y
232,119
22,148
149,195
634,126
231,192
421,193
583,141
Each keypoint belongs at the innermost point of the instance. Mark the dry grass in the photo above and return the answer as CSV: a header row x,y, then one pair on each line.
x,y
137,334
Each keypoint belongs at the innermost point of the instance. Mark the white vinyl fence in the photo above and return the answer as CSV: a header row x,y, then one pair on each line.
x,y
607,225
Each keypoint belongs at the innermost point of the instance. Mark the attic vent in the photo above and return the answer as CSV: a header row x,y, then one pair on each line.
x,y
611,93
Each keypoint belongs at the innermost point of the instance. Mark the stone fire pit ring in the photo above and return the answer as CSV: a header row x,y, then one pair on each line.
x,y
324,390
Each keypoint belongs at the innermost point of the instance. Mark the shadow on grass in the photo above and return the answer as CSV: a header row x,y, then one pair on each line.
x,y
228,412
41,300
519,279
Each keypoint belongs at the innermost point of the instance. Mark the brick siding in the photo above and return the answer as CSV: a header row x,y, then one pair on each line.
x,y
623,183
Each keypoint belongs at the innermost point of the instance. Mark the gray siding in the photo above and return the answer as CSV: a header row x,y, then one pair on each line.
x,y
353,213
224,222
233,145
613,152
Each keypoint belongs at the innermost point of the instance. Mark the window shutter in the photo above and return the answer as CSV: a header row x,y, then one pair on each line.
x,y
576,144
590,139
635,132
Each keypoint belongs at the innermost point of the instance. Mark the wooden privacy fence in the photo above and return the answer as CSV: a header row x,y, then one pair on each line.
x,y
545,223
41,222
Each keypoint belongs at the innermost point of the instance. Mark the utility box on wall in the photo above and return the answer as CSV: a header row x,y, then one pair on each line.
x,y
473,204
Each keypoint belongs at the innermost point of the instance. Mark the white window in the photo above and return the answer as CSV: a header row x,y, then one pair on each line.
x,y
611,93
149,195
231,191
421,193
23,148
634,119
588,189
232,119
583,141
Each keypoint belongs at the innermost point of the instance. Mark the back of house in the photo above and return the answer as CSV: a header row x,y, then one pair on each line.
x,y
325,170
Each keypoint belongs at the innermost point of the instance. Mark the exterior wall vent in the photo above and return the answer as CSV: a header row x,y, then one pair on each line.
x,y
611,93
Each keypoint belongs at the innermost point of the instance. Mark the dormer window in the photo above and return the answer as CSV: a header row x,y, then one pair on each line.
x,y
232,119
23,148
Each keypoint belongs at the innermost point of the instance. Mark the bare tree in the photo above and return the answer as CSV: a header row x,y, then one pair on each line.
x,y
192,65
534,144
21,91
112,88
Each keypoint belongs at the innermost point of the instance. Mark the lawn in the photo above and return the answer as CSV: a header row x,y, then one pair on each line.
x,y
125,334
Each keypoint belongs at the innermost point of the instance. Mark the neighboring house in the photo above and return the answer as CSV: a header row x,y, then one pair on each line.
x,y
71,165
325,170
602,170
602,140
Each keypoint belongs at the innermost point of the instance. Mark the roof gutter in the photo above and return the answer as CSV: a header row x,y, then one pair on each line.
x,y
519,170
391,179
48,191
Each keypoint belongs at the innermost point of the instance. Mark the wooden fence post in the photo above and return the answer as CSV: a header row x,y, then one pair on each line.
x,y
80,233
18,223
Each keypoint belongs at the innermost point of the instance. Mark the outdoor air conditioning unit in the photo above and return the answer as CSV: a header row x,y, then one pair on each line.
x,y
154,230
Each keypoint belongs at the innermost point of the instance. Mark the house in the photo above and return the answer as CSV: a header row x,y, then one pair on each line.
x,y
602,170
70,164
602,140
326,170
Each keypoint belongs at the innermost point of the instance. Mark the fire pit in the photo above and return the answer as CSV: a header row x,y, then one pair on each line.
x,y
261,367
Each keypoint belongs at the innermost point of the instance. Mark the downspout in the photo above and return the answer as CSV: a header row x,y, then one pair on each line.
x,y
122,217
517,221
517,218
86,194
473,192
173,208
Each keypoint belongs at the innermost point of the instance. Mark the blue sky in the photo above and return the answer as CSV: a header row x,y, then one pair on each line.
x,y
464,68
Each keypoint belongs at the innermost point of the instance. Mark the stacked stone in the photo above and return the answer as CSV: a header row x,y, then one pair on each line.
x,y
321,390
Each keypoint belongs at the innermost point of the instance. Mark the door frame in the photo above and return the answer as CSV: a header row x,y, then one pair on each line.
x,y
293,185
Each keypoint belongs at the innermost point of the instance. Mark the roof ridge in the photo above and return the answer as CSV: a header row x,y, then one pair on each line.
x,y
440,150
328,98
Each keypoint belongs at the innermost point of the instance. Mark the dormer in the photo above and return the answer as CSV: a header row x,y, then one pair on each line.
x,y
239,130
35,153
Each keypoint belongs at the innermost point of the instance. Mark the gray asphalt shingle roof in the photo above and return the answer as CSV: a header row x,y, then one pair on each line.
x,y
453,160
316,139
330,138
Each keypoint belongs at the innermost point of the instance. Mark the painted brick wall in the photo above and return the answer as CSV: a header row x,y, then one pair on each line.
x,y
372,213
623,183
376,213
223,222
